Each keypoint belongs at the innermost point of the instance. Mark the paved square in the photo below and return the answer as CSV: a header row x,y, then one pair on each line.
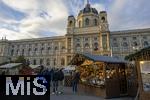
x,y
68,95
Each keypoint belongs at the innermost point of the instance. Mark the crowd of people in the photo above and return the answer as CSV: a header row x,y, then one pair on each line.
x,y
57,77
57,81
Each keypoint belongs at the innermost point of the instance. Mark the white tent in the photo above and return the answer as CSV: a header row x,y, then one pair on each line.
x,y
10,65
11,68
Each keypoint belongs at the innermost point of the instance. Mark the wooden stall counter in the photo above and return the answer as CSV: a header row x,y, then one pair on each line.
x,y
89,89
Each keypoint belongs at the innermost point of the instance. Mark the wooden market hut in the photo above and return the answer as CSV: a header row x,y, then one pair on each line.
x,y
101,75
141,57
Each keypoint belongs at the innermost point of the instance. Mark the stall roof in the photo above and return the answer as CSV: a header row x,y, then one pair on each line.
x,y
98,58
10,65
34,66
143,54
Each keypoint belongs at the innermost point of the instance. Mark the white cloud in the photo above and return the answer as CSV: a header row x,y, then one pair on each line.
x,y
42,15
51,16
99,7
129,14
12,35
22,5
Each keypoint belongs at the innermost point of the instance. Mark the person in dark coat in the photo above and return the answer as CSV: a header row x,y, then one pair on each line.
x,y
75,81
60,80
61,75
51,73
41,70
55,79
3,73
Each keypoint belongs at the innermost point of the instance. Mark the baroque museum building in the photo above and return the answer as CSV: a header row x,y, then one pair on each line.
x,y
87,33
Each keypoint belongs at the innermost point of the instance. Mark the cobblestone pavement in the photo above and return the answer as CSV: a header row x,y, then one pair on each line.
x,y
68,95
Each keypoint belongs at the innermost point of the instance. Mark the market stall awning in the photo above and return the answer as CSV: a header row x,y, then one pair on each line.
x,y
80,58
143,54
10,65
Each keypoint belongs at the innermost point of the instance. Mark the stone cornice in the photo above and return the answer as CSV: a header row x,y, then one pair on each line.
x,y
130,31
39,39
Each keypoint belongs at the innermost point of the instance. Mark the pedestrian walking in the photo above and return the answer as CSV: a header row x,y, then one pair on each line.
x,y
75,81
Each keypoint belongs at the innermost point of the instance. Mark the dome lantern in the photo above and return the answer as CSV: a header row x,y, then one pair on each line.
x,y
88,9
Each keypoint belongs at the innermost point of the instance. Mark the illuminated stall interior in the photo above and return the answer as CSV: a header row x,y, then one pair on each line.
x,y
107,74
142,62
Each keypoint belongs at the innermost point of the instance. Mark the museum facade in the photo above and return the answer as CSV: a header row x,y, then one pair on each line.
x,y
87,33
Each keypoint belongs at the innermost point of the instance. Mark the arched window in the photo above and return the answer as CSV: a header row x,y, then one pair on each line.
x,y
146,43
70,23
115,44
77,40
42,50
86,39
134,38
56,48
12,52
48,50
95,46
125,44
48,61
34,62
62,61
144,37
22,51
78,47
95,22
41,61
87,21
79,23
17,52
35,51
114,39
29,51
63,48
124,38
135,44
87,45
103,19
54,61
95,39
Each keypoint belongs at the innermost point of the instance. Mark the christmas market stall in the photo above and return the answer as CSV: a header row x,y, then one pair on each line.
x,y
101,75
10,69
142,62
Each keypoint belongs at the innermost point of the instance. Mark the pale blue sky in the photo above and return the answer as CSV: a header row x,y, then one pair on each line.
x,y
41,18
